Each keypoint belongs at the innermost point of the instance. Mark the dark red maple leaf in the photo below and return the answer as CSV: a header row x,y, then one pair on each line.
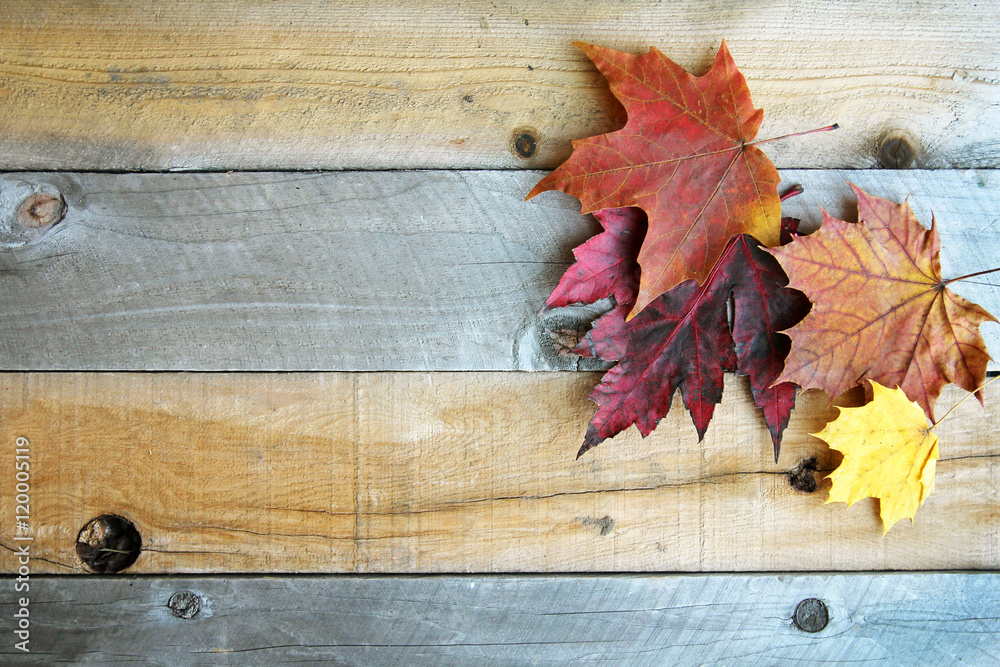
x,y
789,229
683,340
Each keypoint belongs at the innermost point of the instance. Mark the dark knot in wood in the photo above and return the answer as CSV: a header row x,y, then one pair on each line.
x,y
108,543
896,152
184,604
525,142
803,476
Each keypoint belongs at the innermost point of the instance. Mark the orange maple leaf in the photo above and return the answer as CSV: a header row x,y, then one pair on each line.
x,y
880,309
683,158
889,453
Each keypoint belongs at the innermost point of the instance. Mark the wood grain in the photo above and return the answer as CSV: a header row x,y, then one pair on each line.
x,y
891,619
345,271
315,85
457,472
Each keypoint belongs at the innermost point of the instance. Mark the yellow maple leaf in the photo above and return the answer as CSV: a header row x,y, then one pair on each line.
x,y
889,453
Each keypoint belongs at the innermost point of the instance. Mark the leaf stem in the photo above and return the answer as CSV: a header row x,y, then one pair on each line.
x,y
835,126
792,191
964,399
971,275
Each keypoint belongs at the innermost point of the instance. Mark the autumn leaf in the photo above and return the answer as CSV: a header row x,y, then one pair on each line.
x,y
606,264
889,453
789,229
683,158
880,309
683,340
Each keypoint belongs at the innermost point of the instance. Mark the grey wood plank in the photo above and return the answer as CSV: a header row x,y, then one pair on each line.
x,y
352,271
887,619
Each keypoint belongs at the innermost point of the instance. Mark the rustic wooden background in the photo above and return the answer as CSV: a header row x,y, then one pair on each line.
x,y
348,263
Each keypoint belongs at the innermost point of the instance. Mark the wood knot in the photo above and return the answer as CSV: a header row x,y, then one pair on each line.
x,y
108,543
803,476
605,525
896,151
524,142
40,210
27,211
811,615
565,340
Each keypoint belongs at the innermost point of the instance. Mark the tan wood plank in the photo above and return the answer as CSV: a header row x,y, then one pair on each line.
x,y
371,271
890,619
310,84
456,472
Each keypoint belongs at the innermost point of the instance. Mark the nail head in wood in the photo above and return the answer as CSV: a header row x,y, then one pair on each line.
x,y
108,543
811,615
40,210
184,604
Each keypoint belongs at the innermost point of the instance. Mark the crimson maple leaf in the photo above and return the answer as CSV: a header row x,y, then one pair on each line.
x,y
606,264
683,340
683,158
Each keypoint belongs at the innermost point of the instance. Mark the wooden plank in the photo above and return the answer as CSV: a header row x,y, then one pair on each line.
x,y
456,472
310,84
890,619
352,271
343,271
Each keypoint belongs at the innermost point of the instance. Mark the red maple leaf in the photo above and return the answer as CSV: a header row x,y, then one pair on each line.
x,y
683,158
684,340
605,265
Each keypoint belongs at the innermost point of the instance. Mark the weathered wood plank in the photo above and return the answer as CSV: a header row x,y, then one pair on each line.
x,y
247,85
345,271
889,619
457,472
352,270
